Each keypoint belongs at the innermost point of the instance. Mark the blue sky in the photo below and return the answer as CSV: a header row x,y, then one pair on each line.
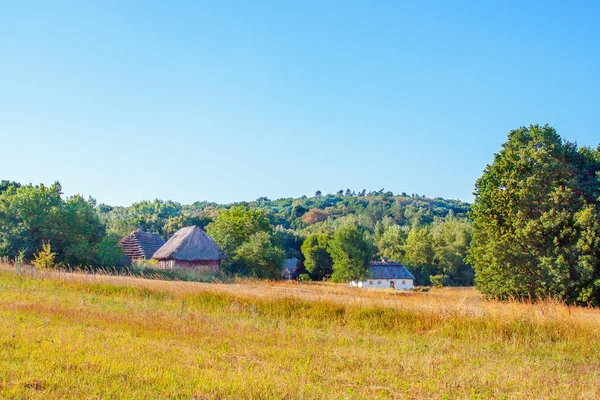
x,y
230,101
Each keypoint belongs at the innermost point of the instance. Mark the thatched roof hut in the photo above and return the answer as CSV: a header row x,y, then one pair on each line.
x,y
190,248
140,244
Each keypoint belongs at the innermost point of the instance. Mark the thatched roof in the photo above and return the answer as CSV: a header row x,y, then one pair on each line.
x,y
389,270
140,244
190,244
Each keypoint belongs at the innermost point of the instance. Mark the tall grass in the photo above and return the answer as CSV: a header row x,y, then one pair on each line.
x,y
75,336
142,271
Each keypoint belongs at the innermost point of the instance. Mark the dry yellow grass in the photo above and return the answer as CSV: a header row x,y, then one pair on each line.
x,y
465,301
114,337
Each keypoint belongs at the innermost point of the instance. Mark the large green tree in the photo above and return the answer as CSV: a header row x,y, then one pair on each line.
x,y
80,230
33,215
28,217
259,257
237,232
351,252
419,247
451,239
535,220
290,241
419,254
108,253
317,259
5,184
390,239
233,227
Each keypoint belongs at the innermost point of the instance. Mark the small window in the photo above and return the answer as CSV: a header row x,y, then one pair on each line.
x,y
370,282
379,282
404,282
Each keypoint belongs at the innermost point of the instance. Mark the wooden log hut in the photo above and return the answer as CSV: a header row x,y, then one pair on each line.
x,y
140,245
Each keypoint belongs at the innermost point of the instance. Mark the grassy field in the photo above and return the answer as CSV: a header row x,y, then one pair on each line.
x,y
120,337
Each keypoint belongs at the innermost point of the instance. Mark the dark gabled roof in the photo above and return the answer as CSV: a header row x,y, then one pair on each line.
x,y
190,244
290,265
389,270
140,244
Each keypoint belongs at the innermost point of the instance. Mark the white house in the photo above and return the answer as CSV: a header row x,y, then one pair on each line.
x,y
386,274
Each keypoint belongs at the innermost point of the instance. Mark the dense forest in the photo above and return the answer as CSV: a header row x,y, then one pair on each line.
x,y
431,235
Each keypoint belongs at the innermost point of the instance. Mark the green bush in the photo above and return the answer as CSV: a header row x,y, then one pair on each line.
x,y
438,280
143,263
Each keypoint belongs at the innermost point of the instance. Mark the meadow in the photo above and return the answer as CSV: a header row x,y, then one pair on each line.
x,y
97,336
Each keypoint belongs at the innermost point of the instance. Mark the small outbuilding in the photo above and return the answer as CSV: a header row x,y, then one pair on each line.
x,y
140,245
190,248
387,274
291,269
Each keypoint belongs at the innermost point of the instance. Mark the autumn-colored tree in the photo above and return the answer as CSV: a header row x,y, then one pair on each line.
x,y
313,216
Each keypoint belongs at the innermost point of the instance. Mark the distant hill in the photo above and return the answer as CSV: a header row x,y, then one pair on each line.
x,y
303,214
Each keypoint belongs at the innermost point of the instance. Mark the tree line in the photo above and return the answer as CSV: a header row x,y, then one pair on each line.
x,y
256,235
533,230
34,216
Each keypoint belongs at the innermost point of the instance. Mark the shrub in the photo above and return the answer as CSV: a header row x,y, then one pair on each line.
x,y
143,263
438,280
45,258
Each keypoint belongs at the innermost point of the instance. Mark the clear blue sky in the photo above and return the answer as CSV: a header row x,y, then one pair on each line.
x,y
229,101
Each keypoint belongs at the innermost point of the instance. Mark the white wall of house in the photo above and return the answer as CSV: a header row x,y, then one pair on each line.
x,y
398,284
